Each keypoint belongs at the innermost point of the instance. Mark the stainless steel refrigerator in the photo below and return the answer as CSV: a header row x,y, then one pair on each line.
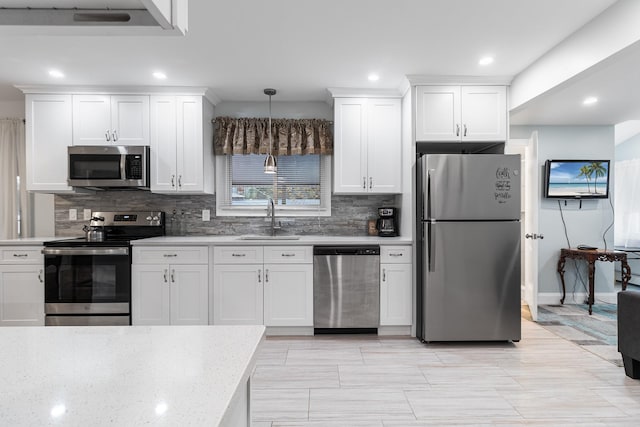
x,y
469,247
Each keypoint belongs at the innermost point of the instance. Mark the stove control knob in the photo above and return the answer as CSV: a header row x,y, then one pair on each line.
x,y
156,218
149,218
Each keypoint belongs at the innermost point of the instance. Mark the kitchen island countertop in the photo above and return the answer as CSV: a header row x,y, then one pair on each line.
x,y
124,375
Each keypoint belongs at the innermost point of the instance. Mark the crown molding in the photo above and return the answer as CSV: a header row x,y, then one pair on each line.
x,y
418,80
340,92
125,90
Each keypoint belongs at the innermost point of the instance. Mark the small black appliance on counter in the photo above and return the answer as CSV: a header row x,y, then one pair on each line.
x,y
387,223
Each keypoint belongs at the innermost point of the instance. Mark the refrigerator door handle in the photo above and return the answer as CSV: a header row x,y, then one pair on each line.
x,y
431,248
430,195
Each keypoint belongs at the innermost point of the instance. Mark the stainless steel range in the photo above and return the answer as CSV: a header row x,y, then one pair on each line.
x,y
89,282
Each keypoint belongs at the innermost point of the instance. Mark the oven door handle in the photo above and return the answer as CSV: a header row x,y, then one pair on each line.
x,y
85,251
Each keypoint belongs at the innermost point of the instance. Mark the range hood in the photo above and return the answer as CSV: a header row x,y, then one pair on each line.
x,y
150,14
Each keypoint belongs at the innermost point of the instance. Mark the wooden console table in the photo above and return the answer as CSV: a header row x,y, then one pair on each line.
x,y
591,256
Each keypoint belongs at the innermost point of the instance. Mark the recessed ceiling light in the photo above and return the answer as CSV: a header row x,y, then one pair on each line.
x,y
486,60
159,75
373,77
56,73
590,100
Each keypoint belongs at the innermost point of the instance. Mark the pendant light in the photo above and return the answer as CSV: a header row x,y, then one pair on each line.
x,y
270,164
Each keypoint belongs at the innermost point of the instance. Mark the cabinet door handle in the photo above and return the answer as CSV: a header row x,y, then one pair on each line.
x,y
107,136
384,274
266,276
180,181
20,255
165,275
364,182
465,130
173,180
370,183
259,276
40,276
457,130
173,276
115,135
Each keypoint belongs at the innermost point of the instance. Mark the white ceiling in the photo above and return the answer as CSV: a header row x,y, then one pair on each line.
x,y
239,47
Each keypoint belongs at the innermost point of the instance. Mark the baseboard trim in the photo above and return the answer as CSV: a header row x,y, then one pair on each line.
x,y
394,330
553,298
289,330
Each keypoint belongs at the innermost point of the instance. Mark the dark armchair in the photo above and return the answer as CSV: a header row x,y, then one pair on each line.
x,y
629,332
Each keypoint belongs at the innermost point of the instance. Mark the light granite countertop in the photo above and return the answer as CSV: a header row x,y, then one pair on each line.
x,y
265,240
236,240
28,241
123,375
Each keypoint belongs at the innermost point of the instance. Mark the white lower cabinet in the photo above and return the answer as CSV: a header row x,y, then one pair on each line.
x,y
170,293
21,286
248,290
288,295
237,294
395,286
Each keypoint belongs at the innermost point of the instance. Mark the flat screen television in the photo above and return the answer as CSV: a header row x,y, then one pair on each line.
x,y
577,179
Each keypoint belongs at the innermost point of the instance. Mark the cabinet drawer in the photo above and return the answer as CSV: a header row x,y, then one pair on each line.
x,y
21,255
171,254
288,254
396,254
237,255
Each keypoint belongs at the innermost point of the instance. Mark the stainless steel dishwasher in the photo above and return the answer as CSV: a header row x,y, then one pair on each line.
x,y
346,289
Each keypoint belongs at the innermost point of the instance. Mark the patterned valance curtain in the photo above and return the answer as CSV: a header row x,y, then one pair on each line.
x,y
290,136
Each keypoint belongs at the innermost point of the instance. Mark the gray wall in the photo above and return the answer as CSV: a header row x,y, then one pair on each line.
x,y
629,149
586,224
12,109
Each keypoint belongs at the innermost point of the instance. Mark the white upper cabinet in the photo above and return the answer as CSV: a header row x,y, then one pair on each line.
x,y
48,134
181,145
367,146
110,119
461,113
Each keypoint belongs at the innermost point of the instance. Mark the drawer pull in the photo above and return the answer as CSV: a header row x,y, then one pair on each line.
x,y
20,255
287,255
170,255
396,254
238,255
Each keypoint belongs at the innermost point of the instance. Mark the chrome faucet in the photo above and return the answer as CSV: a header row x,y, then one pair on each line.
x,y
271,212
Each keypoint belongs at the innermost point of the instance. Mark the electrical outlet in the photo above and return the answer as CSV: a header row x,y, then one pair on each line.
x,y
86,213
73,214
206,215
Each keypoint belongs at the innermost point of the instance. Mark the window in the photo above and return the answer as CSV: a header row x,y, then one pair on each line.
x,y
300,188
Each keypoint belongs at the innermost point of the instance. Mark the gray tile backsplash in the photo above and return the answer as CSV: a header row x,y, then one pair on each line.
x,y
349,214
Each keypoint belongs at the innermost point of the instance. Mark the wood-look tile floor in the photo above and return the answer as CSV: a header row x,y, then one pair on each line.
x,y
358,381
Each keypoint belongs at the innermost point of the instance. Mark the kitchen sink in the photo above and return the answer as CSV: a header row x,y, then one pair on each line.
x,y
253,237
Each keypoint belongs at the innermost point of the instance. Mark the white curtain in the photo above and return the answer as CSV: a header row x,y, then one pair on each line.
x,y
15,213
627,198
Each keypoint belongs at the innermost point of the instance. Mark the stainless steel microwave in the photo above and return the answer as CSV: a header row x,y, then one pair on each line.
x,y
109,166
